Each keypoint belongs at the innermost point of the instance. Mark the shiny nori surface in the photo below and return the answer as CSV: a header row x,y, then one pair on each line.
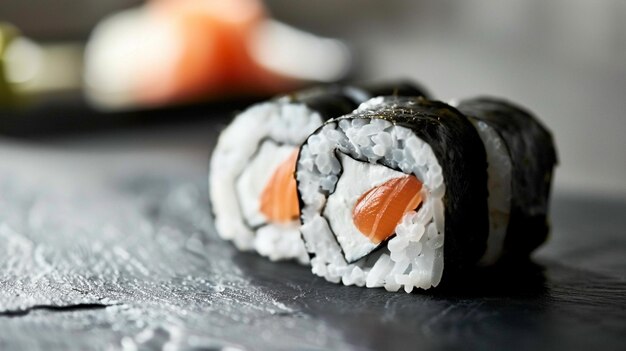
x,y
461,155
337,100
395,88
533,157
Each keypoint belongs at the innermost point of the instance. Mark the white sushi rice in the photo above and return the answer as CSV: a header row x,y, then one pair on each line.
x,y
237,165
499,170
414,256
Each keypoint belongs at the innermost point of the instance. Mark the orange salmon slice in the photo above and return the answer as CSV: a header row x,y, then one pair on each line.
x,y
379,210
279,199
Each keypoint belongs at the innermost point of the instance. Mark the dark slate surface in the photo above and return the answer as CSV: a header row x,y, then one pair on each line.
x,y
106,243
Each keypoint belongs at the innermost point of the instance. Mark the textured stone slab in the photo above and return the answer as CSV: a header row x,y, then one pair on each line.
x,y
112,247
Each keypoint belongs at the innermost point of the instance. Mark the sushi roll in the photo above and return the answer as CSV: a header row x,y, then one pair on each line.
x,y
393,193
521,157
402,188
251,182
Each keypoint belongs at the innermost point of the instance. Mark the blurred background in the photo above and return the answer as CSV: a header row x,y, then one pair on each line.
x,y
563,59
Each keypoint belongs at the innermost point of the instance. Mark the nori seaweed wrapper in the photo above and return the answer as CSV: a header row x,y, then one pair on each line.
x,y
533,157
336,100
461,155
395,88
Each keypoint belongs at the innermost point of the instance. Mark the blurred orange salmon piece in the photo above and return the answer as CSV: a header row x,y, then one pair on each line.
x,y
279,200
212,56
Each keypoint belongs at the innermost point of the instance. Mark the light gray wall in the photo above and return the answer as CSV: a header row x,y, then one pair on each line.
x,y
563,59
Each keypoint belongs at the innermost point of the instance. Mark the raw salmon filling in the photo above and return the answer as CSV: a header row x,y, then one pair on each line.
x,y
279,200
381,208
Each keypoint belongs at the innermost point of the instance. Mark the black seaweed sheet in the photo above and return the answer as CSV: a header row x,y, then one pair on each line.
x,y
533,157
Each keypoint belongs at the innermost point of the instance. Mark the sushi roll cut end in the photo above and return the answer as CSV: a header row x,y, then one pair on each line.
x,y
380,194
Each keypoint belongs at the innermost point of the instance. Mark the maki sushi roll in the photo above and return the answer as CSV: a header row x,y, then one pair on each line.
x,y
251,181
521,157
402,188
393,193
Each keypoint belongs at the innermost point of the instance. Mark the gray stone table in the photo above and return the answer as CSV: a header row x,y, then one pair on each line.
x,y
106,242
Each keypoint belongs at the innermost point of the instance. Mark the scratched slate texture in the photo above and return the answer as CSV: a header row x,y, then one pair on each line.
x,y
106,242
